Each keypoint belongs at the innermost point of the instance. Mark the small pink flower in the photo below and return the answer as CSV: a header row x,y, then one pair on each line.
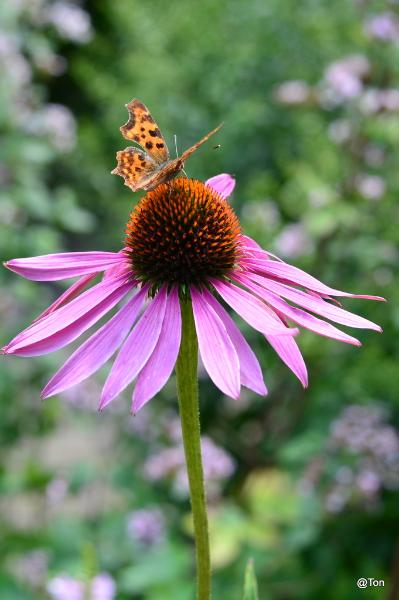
x,y
182,239
384,26
63,587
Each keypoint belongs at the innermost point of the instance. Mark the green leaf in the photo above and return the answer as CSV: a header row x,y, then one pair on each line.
x,y
250,584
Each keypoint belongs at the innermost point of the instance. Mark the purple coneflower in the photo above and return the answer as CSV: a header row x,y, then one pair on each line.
x,y
182,240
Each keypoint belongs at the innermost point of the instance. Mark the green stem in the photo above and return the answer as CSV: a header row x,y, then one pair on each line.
x,y
187,389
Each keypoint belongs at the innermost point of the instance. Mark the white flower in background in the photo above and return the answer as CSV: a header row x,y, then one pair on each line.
x,y
370,101
58,124
264,213
371,187
390,99
12,63
70,21
374,100
293,92
340,131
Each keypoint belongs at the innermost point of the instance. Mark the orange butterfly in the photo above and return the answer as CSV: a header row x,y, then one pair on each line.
x,y
146,167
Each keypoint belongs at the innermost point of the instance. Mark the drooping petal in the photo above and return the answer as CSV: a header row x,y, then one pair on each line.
x,y
52,267
314,303
251,309
287,349
297,315
69,294
137,349
252,248
290,274
159,367
65,336
223,184
250,371
217,350
96,350
65,324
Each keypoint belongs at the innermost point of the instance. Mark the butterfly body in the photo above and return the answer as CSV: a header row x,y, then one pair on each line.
x,y
148,166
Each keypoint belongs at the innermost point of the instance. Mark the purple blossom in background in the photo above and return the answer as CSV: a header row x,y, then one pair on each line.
x,y
361,429
384,26
293,241
146,526
103,587
170,463
84,396
362,459
63,587
344,77
56,491
71,22
31,568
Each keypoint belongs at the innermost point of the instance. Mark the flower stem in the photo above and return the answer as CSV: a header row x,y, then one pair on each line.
x,y
187,389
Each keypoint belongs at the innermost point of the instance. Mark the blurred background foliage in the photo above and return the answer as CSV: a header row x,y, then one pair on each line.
x,y
305,482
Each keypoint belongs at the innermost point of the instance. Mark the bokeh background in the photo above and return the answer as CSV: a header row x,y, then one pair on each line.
x,y
305,482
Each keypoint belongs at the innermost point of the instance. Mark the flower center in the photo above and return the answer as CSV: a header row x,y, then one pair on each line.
x,y
182,232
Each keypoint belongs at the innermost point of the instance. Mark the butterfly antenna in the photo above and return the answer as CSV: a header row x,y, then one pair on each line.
x,y
177,153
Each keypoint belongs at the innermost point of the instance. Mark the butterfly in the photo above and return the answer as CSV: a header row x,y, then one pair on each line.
x,y
146,167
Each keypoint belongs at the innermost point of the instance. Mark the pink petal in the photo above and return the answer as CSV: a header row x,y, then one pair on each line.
x,y
217,351
137,349
291,274
79,314
287,349
61,338
97,349
250,371
299,316
253,250
73,291
124,266
251,309
253,247
52,267
160,365
223,184
314,303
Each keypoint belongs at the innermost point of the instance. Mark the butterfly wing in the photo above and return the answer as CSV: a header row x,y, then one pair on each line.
x,y
136,167
142,129
206,137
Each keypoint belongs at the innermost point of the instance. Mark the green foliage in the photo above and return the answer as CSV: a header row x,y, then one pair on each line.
x,y
250,584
